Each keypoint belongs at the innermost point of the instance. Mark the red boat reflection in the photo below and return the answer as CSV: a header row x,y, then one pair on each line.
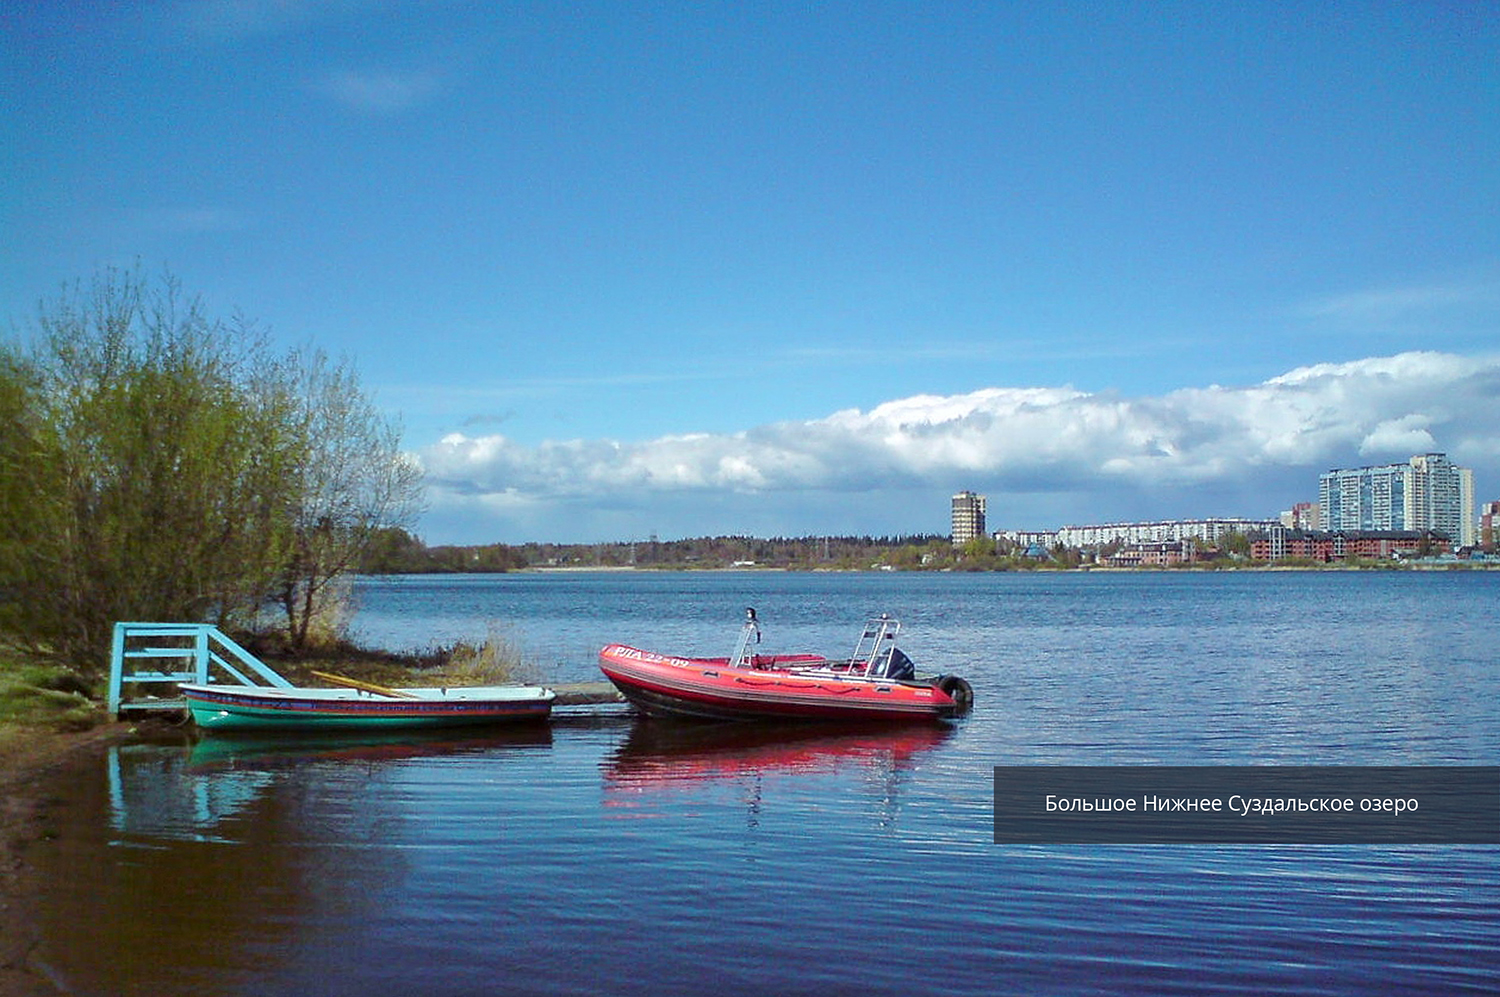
x,y
660,755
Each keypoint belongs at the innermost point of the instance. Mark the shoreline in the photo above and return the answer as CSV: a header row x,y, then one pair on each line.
x,y
27,755
1454,566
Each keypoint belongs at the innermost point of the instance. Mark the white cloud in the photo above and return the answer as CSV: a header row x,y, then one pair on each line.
x,y
1384,304
1408,433
232,19
369,91
382,92
1058,441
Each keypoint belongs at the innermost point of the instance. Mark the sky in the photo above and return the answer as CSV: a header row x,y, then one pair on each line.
x,y
640,269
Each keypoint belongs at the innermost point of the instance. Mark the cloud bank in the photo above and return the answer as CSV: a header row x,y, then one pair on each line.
x,y
1036,444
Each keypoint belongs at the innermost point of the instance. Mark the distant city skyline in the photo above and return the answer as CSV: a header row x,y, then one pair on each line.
x,y
1426,492
790,269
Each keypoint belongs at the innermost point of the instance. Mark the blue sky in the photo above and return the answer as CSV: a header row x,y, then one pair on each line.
x,y
625,269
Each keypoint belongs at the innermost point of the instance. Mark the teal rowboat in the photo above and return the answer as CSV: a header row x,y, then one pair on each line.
x,y
242,707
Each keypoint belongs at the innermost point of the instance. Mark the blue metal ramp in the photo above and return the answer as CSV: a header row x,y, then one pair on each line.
x,y
143,655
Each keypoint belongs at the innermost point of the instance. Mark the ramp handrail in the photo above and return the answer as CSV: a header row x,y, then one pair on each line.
x,y
210,648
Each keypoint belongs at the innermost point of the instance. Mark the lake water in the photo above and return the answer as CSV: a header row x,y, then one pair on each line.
x,y
608,855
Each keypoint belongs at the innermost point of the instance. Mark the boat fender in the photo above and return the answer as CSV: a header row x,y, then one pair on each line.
x,y
958,690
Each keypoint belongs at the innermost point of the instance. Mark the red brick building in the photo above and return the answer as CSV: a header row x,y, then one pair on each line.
x,y
1319,545
1157,555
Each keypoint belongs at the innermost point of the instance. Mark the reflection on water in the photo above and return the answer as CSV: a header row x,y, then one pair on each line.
x,y
658,754
223,855
191,789
609,856
204,875
665,755
290,751
154,794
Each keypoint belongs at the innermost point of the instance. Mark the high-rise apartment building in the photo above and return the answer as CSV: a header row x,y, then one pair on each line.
x,y
1303,516
968,517
1428,492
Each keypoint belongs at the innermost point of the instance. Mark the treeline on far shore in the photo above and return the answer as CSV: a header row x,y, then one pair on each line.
x,y
396,551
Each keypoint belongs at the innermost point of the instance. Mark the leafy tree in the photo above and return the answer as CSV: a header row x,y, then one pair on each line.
x,y
978,547
1235,543
393,550
155,463
351,481
1066,557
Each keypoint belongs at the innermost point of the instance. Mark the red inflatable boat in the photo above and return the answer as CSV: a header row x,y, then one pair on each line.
x,y
877,682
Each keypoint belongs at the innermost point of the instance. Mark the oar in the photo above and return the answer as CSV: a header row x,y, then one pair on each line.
x,y
378,690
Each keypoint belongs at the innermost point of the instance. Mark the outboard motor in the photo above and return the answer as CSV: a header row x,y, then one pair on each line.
x,y
893,664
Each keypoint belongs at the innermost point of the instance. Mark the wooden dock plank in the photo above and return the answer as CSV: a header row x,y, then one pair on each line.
x,y
585,693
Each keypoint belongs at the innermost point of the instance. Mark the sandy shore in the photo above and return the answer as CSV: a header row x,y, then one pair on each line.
x,y
27,756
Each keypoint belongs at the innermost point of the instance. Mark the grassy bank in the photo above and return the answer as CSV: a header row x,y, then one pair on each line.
x,y
36,694
495,661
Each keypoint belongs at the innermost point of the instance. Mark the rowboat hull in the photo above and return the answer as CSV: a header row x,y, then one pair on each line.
x,y
786,688
232,707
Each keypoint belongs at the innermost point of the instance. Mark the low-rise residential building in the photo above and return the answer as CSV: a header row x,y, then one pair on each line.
x,y
1282,544
1153,555
1285,544
1030,538
1489,525
1303,516
1207,531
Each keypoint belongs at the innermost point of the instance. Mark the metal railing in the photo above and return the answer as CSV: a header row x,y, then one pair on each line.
x,y
871,642
146,654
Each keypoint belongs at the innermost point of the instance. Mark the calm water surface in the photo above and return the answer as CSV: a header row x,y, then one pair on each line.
x,y
606,855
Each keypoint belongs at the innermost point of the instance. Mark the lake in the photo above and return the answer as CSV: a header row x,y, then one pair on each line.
x,y
602,854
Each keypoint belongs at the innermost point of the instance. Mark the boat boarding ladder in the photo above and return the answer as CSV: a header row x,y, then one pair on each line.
x,y
173,653
744,654
872,641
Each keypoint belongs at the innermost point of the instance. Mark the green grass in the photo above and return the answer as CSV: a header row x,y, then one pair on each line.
x,y
498,660
36,694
